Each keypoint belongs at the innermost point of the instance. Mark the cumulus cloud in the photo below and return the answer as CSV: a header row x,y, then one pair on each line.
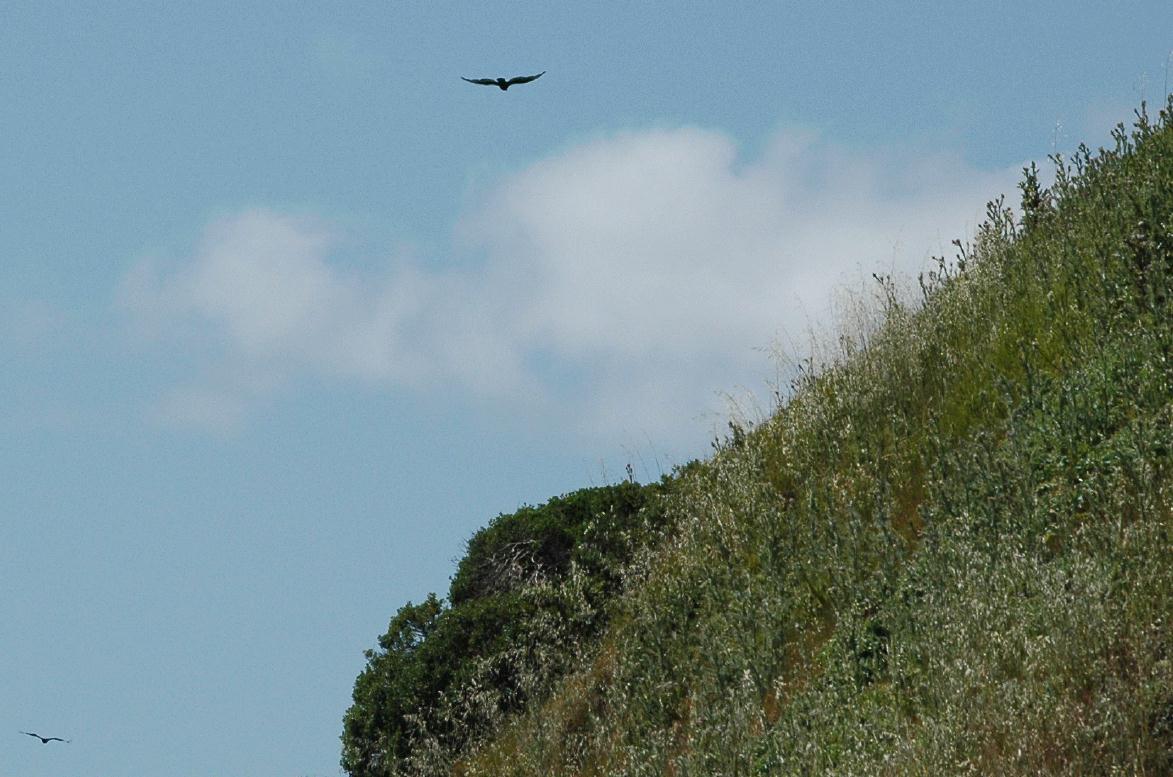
x,y
618,284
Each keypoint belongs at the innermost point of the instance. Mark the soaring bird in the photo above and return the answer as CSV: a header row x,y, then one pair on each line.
x,y
502,83
45,740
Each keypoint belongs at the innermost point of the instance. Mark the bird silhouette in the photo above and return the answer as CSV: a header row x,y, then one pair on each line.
x,y
502,83
45,740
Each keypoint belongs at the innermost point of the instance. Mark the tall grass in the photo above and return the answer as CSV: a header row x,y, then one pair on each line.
x,y
946,552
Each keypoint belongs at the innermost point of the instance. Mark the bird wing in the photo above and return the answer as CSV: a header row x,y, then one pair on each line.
x,y
525,79
481,81
55,739
31,734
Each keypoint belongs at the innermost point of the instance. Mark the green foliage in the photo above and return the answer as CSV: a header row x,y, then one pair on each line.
x,y
591,527
946,552
390,689
532,585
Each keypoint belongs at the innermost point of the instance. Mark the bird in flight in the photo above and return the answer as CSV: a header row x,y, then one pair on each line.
x,y
502,83
45,740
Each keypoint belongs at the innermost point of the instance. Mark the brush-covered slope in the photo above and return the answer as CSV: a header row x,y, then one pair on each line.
x,y
948,551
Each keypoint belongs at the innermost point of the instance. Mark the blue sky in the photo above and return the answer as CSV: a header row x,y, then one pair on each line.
x,y
287,310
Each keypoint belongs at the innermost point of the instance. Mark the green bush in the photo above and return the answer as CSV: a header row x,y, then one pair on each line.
x,y
533,585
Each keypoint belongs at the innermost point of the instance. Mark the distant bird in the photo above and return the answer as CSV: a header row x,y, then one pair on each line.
x,y
45,740
502,83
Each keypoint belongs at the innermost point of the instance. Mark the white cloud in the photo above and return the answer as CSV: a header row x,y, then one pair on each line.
x,y
617,285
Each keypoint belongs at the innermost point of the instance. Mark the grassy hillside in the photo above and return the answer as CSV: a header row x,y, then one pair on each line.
x,y
948,550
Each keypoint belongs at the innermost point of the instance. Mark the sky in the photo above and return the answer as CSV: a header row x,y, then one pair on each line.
x,y
288,310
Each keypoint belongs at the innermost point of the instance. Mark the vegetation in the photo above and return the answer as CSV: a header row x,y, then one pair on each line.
x,y
533,587
947,551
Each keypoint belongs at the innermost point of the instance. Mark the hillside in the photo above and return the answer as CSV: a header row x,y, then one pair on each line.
x,y
946,552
